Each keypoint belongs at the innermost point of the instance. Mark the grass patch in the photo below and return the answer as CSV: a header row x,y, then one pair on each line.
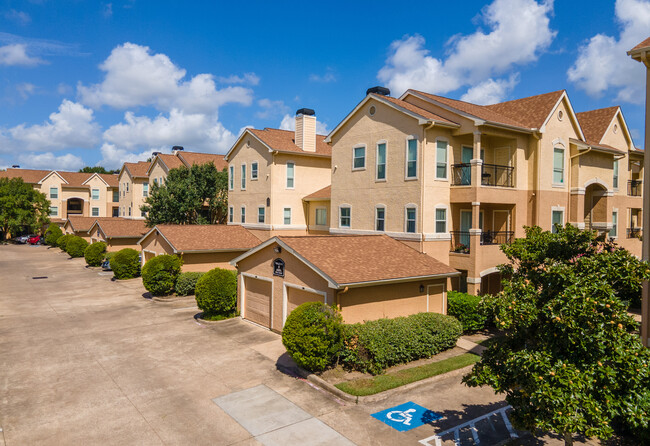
x,y
370,386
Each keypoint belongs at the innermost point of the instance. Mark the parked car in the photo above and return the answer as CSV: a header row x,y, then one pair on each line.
x,y
35,240
106,265
22,239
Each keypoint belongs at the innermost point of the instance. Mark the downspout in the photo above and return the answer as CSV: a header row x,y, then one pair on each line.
x,y
273,166
338,293
538,169
569,176
424,144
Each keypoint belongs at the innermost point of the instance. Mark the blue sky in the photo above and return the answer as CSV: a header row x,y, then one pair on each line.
x,y
89,82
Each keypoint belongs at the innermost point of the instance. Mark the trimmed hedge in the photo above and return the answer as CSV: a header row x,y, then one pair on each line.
x,y
312,335
186,283
375,345
159,274
63,241
467,309
76,246
125,264
94,253
216,292
53,234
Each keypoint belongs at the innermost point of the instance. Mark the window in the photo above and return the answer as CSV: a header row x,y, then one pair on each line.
x,y
290,175
359,161
344,217
410,219
116,196
381,161
321,216
160,180
558,165
412,158
260,213
557,219
243,177
54,192
231,180
129,211
380,218
95,194
615,182
155,181
54,211
127,186
243,214
231,214
145,189
287,216
441,221
95,212
614,231
254,171
441,160
143,214
116,212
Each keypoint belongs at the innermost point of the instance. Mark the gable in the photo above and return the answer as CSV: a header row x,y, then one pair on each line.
x,y
617,134
562,122
249,148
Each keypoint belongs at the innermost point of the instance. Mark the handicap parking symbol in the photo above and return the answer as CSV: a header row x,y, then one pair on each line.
x,y
406,416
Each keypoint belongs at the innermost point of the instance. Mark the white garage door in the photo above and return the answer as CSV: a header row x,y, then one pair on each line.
x,y
257,301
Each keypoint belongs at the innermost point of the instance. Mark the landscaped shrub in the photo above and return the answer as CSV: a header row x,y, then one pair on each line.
x,y
94,253
375,345
467,309
53,234
76,246
186,283
216,292
160,273
125,264
63,241
312,335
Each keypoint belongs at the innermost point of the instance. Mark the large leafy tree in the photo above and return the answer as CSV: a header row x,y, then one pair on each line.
x,y
196,195
570,361
21,207
97,169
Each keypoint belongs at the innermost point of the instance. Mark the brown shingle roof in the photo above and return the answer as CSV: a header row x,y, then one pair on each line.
x,y
31,176
171,161
322,194
208,237
83,224
594,123
365,258
138,169
283,141
191,158
111,179
74,179
644,44
122,227
414,109
532,111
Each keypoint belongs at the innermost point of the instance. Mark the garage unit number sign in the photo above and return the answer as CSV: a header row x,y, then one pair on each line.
x,y
278,267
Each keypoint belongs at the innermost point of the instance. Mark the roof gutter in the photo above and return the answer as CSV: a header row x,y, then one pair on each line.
x,y
397,280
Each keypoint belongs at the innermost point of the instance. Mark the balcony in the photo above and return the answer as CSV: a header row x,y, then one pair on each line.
x,y
460,240
492,175
634,188
635,233
497,237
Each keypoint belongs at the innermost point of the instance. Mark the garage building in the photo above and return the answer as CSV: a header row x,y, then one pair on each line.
x,y
118,233
366,276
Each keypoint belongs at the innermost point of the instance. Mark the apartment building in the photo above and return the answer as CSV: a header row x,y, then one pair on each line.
x,y
133,189
270,171
455,180
72,193
163,163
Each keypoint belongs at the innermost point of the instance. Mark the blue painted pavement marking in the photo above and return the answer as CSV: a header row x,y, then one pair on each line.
x,y
406,416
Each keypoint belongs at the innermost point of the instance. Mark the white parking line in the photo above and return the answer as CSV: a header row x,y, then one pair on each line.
x,y
472,426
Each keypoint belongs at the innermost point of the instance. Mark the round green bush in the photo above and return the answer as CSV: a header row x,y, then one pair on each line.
x,y
125,264
216,292
76,246
94,253
53,234
467,309
312,335
160,273
63,241
186,283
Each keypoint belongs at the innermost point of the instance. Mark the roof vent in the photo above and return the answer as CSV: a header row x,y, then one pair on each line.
x,y
177,148
306,112
155,153
15,166
378,90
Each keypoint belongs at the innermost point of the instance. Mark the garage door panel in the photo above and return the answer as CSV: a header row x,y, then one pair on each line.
x,y
296,297
258,301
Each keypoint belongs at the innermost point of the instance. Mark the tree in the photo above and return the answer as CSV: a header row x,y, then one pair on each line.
x,y
21,207
97,169
570,361
196,195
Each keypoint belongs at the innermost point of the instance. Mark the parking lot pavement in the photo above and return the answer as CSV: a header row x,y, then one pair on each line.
x,y
86,360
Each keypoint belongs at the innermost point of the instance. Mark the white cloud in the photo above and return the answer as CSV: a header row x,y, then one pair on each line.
x,y
271,108
26,89
327,77
246,78
113,157
107,10
20,17
49,161
16,55
289,123
193,131
490,91
519,32
603,64
136,77
73,126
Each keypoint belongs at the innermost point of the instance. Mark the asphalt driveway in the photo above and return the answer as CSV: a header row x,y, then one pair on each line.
x,y
85,360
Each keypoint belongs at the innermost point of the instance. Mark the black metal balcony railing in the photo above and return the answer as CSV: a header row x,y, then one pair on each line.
x,y
634,188
461,174
459,242
634,233
495,175
497,237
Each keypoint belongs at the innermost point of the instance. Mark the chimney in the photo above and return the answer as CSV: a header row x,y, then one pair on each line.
x,y
15,166
306,129
155,153
378,90
177,149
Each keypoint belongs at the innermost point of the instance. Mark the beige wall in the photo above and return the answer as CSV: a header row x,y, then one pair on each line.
x,y
311,206
132,199
157,171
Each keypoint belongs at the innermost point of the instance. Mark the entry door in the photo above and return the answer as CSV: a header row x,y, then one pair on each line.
x,y
466,157
465,225
436,299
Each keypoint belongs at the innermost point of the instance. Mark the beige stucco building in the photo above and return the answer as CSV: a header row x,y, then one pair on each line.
x,y
162,163
270,171
133,189
118,233
456,180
